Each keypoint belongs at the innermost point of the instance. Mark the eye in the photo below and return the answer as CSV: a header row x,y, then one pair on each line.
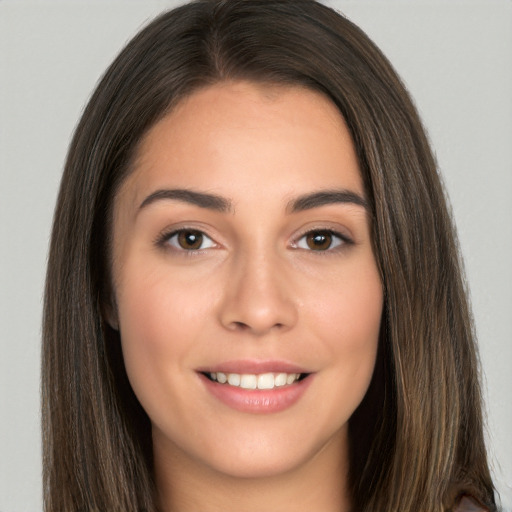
x,y
321,240
189,240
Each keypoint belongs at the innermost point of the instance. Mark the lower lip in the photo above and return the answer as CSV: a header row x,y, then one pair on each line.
x,y
258,401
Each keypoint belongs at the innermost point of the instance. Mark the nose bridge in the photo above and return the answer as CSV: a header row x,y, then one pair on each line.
x,y
258,295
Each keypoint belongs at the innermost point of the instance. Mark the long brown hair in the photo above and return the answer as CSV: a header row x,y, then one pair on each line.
x,y
416,440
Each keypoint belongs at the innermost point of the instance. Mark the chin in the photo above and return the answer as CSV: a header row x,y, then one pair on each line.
x,y
261,457
260,468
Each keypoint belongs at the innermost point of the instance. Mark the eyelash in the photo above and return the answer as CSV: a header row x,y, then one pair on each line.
x,y
164,240
342,240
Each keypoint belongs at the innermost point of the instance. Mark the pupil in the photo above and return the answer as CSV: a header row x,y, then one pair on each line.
x,y
190,239
319,241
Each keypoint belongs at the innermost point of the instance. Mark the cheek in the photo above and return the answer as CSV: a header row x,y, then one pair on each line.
x,y
348,318
349,307
159,321
156,307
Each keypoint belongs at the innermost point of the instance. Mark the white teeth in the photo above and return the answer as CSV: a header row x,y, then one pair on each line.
x,y
266,381
291,378
248,381
280,379
255,381
234,379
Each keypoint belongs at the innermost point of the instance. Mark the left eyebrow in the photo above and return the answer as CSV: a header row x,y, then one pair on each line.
x,y
325,197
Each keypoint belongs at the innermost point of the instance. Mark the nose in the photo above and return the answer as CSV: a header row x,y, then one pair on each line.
x,y
258,296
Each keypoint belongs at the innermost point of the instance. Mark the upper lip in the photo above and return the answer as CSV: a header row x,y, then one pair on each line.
x,y
249,366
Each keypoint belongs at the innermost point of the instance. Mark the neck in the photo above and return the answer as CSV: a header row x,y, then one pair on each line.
x,y
186,485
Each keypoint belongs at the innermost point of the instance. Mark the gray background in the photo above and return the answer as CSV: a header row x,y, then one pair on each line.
x,y
456,58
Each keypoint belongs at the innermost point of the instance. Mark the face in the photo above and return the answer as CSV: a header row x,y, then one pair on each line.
x,y
248,298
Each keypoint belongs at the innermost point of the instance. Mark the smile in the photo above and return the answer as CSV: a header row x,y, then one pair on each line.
x,y
258,387
255,381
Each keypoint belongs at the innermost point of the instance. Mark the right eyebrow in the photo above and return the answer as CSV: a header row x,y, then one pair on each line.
x,y
201,199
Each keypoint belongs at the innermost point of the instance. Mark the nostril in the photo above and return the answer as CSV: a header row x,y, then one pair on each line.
x,y
240,326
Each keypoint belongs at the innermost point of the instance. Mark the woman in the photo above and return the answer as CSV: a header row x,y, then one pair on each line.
x,y
254,294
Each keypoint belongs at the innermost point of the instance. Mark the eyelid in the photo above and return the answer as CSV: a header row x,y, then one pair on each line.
x,y
163,240
343,239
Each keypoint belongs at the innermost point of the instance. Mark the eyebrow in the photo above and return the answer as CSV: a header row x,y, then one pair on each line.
x,y
325,197
221,204
201,199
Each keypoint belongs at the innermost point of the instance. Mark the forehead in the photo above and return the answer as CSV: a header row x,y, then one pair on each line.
x,y
241,133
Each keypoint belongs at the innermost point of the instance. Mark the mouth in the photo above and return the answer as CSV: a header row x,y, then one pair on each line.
x,y
256,381
258,387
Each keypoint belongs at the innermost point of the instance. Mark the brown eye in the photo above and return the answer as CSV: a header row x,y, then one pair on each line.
x,y
189,240
321,240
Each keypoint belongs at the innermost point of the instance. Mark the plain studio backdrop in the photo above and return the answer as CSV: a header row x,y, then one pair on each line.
x,y
456,59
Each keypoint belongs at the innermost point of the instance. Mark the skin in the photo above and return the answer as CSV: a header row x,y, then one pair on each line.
x,y
254,290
